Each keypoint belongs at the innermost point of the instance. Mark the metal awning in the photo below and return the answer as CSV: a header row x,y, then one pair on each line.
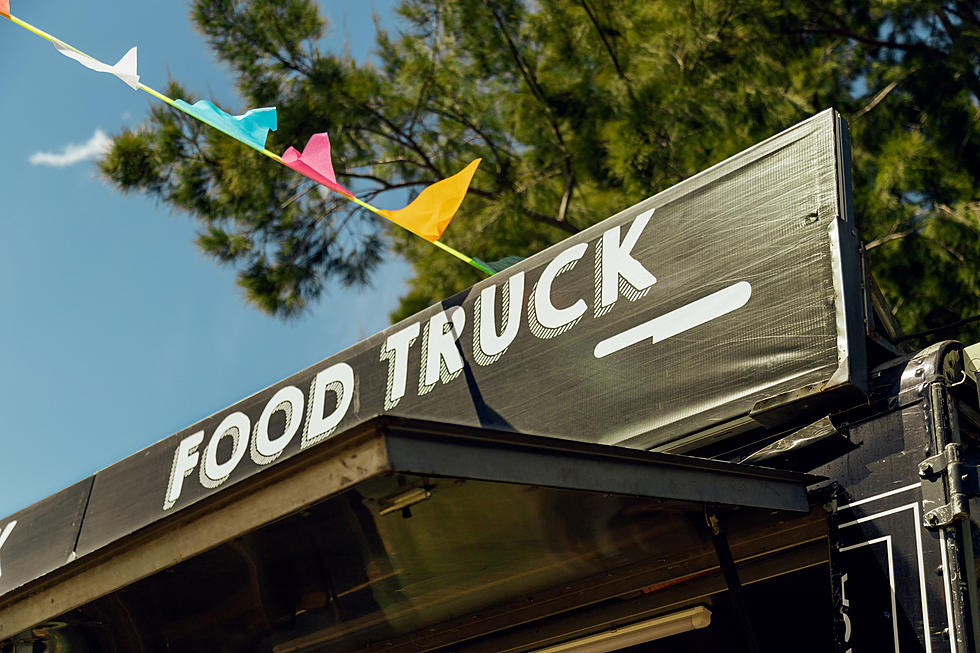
x,y
398,525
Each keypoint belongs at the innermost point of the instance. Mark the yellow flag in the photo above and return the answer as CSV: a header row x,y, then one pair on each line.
x,y
429,214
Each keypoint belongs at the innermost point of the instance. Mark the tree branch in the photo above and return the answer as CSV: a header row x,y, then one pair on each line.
x,y
906,47
878,242
566,197
883,93
725,20
408,142
929,332
463,120
538,93
291,64
965,13
529,78
968,71
609,48
534,215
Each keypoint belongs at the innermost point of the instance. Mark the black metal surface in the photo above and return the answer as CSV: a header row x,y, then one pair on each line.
x,y
434,449
803,449
473,558
41,538
755,256
730,572
899,580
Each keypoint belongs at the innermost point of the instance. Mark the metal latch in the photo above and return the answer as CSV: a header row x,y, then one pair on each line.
x,y
944,497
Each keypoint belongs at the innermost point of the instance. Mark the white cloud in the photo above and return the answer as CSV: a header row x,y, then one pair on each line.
x,y
74,152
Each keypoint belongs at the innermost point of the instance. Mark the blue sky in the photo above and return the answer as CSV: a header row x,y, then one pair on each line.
x,y
115,330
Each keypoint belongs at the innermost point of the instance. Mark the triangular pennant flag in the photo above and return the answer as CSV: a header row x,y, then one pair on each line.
x,y
315,162
501,264
430,213
252,127
5,8
125,68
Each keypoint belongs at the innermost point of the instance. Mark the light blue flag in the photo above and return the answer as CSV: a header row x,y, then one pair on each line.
x,y
251,128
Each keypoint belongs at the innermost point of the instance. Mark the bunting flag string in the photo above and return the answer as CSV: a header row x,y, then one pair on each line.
x,y
427,216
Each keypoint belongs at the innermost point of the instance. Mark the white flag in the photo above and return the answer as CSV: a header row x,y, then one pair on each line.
x,y
125,68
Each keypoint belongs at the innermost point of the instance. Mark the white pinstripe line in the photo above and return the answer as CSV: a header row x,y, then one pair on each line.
x,y
927,636
879,496
887,539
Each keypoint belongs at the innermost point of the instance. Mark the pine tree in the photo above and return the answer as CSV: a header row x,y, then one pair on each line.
x,y
579,109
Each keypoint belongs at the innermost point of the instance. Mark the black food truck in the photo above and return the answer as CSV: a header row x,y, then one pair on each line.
x,y
686,428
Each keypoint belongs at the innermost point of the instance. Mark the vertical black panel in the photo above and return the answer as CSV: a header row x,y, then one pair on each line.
x,y
41,538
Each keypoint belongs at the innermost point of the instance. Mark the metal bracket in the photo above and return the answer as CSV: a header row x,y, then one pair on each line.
x,y
944,496
730,572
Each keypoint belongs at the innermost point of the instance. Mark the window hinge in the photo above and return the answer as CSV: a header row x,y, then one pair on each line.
x,y
945,478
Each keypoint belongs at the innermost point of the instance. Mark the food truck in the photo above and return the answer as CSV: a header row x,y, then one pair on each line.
x,y
689,427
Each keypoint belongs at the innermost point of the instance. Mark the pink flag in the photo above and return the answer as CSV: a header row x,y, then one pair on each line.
x,y
5,8
315,163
